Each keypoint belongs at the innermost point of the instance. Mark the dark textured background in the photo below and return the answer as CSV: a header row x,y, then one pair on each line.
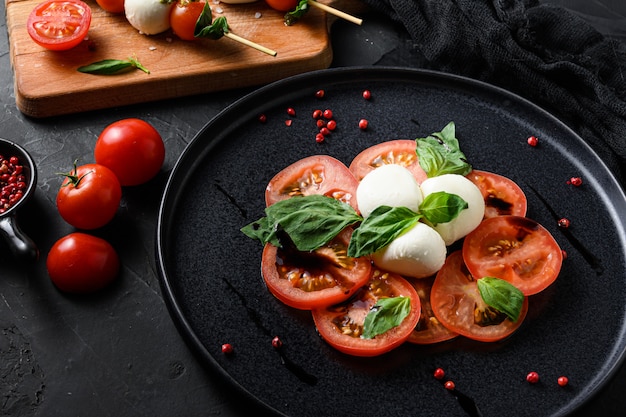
x,y
118,352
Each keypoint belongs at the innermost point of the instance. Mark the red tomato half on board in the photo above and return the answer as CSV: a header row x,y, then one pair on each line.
x,y
341,326
59,24
317,174
400,152
515,249
502,195
308,280
457,304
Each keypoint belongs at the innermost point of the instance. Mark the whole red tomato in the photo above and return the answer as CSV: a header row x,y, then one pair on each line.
x,y
111,6
282,5
133,149
82,263
89,196
183,18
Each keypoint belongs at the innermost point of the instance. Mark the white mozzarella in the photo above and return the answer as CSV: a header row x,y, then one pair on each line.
x,y
389,185
469,218
420,252
149,17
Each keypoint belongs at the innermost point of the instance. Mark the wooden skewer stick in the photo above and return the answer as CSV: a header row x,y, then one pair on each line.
x,y
336,12
250,43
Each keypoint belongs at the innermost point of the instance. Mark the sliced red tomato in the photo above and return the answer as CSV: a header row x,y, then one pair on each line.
x,y
59,24
317,174
502,195
341,325
515,249
428,330
399,151
457,304
308,280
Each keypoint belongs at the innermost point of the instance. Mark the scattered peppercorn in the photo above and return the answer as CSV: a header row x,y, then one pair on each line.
x,y
564,223
12,182
449,385
328,114
320,94
363,124
262,118
288,122
317,114
575,181
291,111
562,381
319,138
439,373
533,141
227,348
331,125
367,94
277,343
532,377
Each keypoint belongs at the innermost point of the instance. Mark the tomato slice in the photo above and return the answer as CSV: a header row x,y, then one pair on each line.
x,y
516,249
317,174
457,304
399,151
502,195
341,325
307,280
59,24
429,329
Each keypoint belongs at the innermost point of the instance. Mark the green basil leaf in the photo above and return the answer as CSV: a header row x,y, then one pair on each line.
x,y
386,314
439,153
293,16
501,295
382,226
112,66
206,27
442,207
310,221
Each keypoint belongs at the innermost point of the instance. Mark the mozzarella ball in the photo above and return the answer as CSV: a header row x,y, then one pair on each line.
x,y
419,252
469,218
149,17
389,185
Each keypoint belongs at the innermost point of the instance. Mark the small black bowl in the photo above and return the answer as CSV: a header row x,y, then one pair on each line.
x,y
21,246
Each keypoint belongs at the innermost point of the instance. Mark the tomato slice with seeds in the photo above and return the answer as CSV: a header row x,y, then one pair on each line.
x,y
457,304
308,280
516,249
341,325
429,329
317,174
502,195
399,151
59,24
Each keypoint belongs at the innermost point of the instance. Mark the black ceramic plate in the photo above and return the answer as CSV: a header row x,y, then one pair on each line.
x,y
210,271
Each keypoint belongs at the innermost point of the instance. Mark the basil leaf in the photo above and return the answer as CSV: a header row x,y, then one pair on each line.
x,y
206,27
501,295
439,153
310,221
382,226
442,207
112,66
293,16
386,314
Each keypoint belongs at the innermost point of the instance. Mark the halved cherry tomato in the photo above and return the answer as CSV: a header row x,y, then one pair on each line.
x,y
515,249
89,196
282,5
59,24
82,263
457,304
183,18
399,151
502,195
429,330
317,174
341,325
307,280
111,6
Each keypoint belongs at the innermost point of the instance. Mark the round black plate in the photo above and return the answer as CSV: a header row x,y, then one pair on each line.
x,y
210,271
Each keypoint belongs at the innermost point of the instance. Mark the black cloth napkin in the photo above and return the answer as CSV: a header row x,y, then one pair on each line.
x,y
542,52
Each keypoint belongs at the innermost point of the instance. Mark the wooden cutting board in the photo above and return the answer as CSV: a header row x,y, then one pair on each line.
x,y
47,83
